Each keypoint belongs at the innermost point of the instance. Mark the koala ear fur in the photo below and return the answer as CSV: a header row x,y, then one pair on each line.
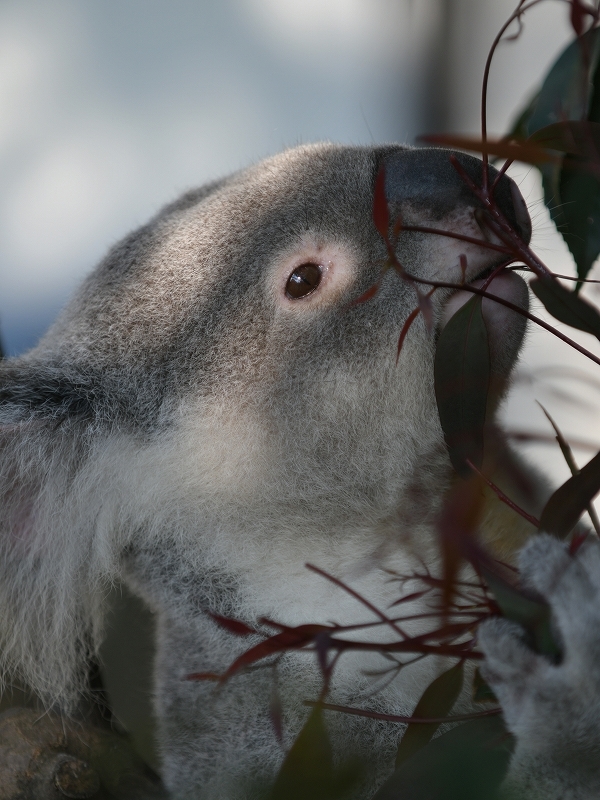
x,y
45,394
51,578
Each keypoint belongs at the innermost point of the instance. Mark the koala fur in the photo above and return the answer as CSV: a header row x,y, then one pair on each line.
x,y
187,428
552,709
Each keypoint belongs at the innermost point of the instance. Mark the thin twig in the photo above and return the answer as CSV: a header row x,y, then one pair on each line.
x,y
504,498
357,596
359,712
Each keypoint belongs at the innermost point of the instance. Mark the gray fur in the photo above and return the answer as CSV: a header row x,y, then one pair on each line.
x,y
552,709
187,429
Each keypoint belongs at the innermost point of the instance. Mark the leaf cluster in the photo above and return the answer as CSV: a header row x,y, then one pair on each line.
x,y
559,133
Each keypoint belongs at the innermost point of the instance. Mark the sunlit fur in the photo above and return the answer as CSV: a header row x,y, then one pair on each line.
x,y
187,429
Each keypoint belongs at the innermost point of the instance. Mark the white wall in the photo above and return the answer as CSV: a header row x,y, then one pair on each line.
x,y
109,109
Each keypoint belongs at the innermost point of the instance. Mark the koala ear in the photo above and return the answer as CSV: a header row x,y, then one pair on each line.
x,y
51,577
47,393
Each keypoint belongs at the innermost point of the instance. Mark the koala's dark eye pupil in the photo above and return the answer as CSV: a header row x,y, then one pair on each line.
x,y
303,280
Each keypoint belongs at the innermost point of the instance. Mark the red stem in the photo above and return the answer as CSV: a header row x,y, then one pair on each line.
x,y
520,9
383,617
461,236
501,496
474,290
359,712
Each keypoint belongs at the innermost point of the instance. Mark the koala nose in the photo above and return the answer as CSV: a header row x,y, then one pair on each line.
x,y
425,178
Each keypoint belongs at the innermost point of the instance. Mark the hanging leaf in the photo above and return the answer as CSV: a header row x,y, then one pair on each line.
x,y
308,768
570,459
532,614
564,95
436,701
308,771
569,501
571,193
565,448
462,376
579,138
578,218
466,763
579,190
566,306
528,152
520,128
482,692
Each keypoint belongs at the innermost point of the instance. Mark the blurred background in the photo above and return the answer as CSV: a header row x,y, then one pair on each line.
x,y
110,109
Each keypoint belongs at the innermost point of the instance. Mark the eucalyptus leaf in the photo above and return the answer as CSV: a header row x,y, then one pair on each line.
x,y
308,767
462,377
532,614
520,127
308,771
466,763
482,691
569,501
578,219
436,701
564,95
567,306
579,138
571,192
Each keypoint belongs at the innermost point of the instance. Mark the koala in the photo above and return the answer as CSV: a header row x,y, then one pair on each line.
x,y
213,409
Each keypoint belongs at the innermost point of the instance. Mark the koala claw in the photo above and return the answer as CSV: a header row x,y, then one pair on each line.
x,y
552,709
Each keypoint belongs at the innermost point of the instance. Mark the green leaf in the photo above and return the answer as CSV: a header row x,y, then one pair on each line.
x,y
578,216
571,193
482,692
308,768
563,95
570,459
520,127
569,501
526,151
578,192
466,763
462,376
594,104
532,614
572,196
579,138
308,771
567,306
436,701
565,448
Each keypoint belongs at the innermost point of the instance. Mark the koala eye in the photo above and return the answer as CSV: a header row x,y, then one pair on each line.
x,y
303,280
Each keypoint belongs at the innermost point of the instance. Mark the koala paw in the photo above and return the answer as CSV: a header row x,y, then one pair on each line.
x,y
553,709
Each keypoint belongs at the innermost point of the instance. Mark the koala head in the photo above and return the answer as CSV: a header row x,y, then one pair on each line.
x,y
213,374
